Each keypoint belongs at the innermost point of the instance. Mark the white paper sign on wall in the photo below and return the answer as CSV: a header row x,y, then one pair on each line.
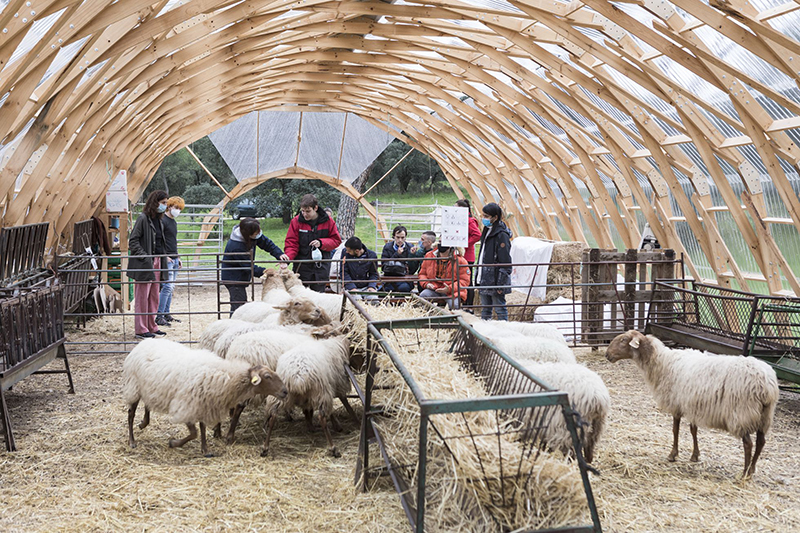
x,y
455,226
117,195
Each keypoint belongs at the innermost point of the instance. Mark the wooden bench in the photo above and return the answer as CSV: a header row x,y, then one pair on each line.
x,y
726,321
31,336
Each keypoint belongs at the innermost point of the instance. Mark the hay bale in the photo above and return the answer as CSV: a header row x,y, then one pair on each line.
x,y
565,252
459,497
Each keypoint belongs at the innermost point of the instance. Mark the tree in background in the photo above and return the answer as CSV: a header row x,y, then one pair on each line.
x,y
180,175
348,207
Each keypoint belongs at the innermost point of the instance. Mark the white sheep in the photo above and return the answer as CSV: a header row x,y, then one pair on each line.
x,y
523,348
588,395
510,328
260,348
733,393
314,375
255,312
273,289
331,303
219,334
190,385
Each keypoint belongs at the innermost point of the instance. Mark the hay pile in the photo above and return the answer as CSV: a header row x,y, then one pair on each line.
x,y
459,497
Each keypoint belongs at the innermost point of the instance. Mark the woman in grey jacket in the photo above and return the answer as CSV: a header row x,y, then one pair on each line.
x,y
143,268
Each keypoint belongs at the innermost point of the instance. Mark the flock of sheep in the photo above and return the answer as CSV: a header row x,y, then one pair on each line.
x,y
291,350
285,349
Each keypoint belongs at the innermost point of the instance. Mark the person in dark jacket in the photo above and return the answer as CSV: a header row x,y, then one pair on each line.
x,y
143,267
360,269
169,270
313,235
396,252
494,282
237,263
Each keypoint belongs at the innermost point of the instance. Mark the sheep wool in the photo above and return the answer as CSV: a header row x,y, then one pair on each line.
x,y
539,350
732,393
190,385
588,395
255,312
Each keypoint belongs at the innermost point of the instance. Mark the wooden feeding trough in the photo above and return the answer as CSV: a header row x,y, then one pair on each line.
x,y
31,314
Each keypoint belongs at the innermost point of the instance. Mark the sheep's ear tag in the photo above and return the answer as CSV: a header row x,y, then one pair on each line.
x,y
255,380
634,342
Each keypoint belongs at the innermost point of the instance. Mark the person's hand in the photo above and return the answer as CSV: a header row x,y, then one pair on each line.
x,y
414,249
442,290
400,249
285,257
315,243
372,289
430,286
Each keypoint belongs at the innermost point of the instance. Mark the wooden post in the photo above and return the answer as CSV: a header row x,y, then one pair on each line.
x,y
631,258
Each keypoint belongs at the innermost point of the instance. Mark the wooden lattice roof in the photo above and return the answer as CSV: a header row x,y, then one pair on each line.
x,y
581,116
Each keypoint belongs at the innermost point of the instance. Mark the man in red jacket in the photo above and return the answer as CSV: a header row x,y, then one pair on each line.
x,y
312,235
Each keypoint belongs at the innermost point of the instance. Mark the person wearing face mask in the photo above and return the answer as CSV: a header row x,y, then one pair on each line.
x,y
237,263
494,282
312,235
171,261
145,245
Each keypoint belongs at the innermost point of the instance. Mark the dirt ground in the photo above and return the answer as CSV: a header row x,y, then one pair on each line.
x,y
75,472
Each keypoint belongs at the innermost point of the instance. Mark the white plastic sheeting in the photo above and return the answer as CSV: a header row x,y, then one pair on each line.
x,y
535,253
340,145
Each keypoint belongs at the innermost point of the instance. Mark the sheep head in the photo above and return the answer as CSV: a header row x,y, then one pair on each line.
x,y
270,281
290,279
265,382
625,346
302,311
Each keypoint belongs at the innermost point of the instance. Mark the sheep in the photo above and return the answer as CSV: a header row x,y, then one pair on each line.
x,y
190,385
273,289
314,375
733,393
522,347
332,303
255,312
107,300
506,328
218,335
588,395
258,348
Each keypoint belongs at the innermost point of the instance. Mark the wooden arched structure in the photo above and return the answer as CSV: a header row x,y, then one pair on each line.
x,y
582,117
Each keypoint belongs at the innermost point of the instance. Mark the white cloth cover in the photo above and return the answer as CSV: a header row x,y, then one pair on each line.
x,y
530,250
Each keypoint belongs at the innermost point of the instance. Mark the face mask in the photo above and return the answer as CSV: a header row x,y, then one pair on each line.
x,y
316,255
258,236
487,222
175,212
162,208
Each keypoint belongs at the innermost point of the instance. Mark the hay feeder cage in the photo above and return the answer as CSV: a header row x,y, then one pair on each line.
x,y
521,405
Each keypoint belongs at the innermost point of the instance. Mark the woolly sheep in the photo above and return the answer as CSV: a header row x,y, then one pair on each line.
x,y
219,334
733,393
510,328
522,347
255,312
588,395
273,289
260,348
314,375
331,303
190,385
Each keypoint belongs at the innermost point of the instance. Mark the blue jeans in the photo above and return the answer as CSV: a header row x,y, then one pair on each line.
x,y
398,286
168,286
492,300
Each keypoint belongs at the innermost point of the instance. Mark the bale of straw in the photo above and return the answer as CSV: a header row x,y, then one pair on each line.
x,y
459,499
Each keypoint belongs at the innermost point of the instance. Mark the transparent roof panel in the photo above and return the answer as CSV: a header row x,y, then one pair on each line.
x,y
330,143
